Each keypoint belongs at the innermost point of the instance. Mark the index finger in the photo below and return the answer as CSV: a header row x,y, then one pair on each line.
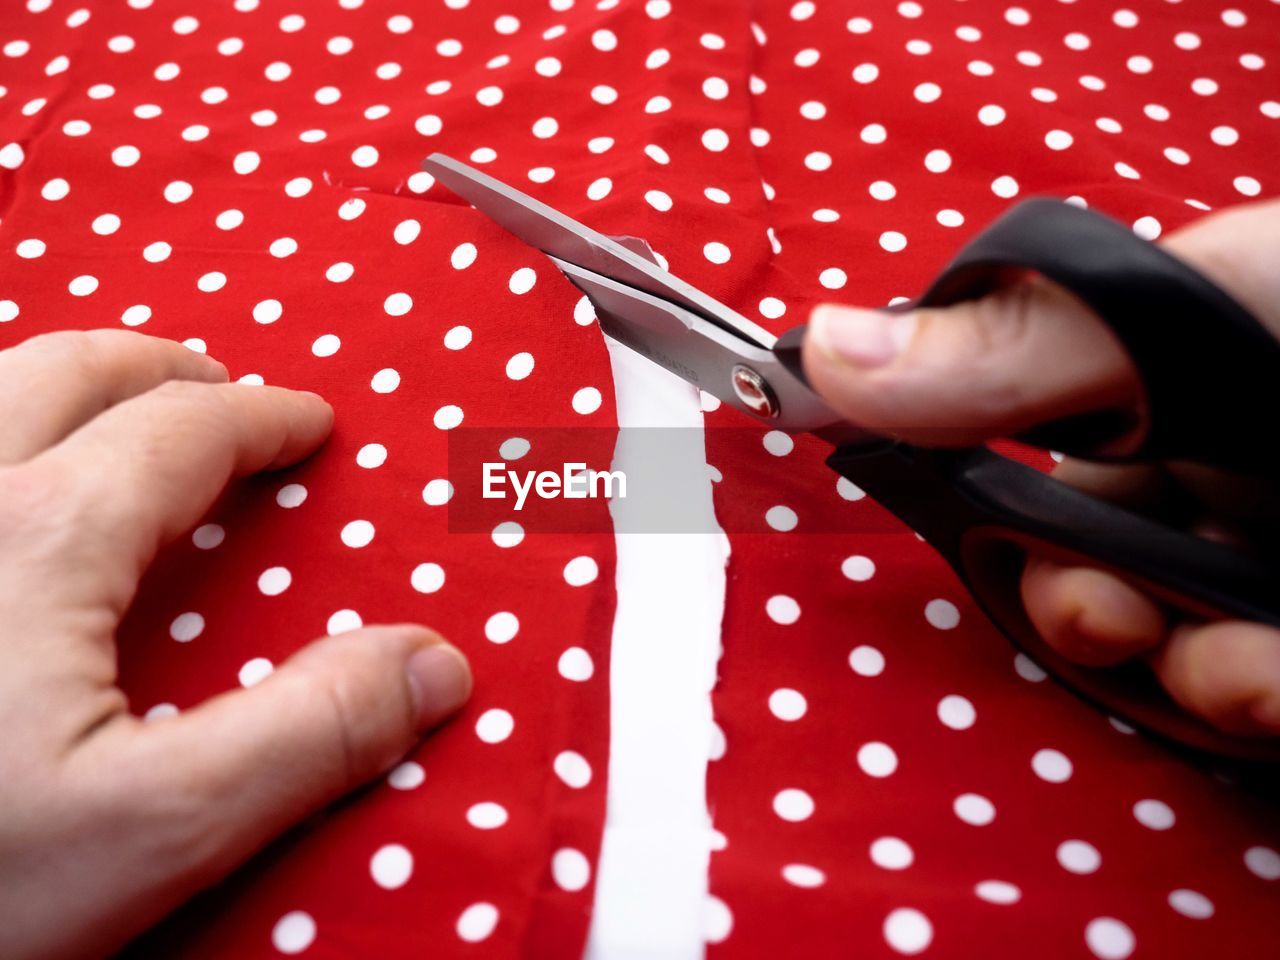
x,y
146,470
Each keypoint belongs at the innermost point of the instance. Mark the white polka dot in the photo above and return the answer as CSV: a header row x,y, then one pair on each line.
x,y
991,115
487,815
570,869
275,580
877,759
804,876
908,931
447,417
494,726
343,621
1263,862
514,448
1191,904
782,609
82,286
501,627
267,311
717,920
891,853
9,311
927,92
787,704
520,366
1028,669
156,252
391,866
293,932
208,536
866,661
437,492
358,533
956,712
974,809
371,456
365,156
106,224
1058,139
998,892
522,280
125,156
406,231
229,219
397,304
942,614
587,401
255,671
580,571
1247,186
11,156
772,308
1077,856
477,922
385,381
1109,939
572,768
833,278
407,776
892,241
326,345
427,577
1154,814
1148,228
57,189
866,73
186,627
575,664
291,495
30,249
793,805
781,518
456,338
1005,187
161,711
211,282
715,140
1052,766
778,443
818,161
716,252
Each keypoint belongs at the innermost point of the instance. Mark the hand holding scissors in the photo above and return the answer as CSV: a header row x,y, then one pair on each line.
x,y
1150,363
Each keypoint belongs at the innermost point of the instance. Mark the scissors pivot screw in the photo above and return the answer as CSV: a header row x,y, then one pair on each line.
x,y
753,390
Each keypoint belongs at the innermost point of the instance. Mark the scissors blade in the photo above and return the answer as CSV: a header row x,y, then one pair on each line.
x,y
703,353
567,240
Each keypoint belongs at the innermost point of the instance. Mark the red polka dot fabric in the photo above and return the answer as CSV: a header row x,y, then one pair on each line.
x,y
891,779
242,177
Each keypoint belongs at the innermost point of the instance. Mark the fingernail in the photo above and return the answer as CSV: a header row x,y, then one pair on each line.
x,y
440,678
864,338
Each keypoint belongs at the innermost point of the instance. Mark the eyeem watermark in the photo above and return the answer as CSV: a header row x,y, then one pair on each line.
x,y
574,482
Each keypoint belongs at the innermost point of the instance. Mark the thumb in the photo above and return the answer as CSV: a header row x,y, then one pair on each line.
x,y
244,766
959,375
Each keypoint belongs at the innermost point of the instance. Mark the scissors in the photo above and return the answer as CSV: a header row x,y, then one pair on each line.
x,y
981,511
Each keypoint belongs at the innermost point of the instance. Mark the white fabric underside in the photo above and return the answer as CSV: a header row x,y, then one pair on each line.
x,y
651,883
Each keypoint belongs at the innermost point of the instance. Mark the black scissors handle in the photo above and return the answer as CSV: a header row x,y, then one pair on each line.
x,y
1207,367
